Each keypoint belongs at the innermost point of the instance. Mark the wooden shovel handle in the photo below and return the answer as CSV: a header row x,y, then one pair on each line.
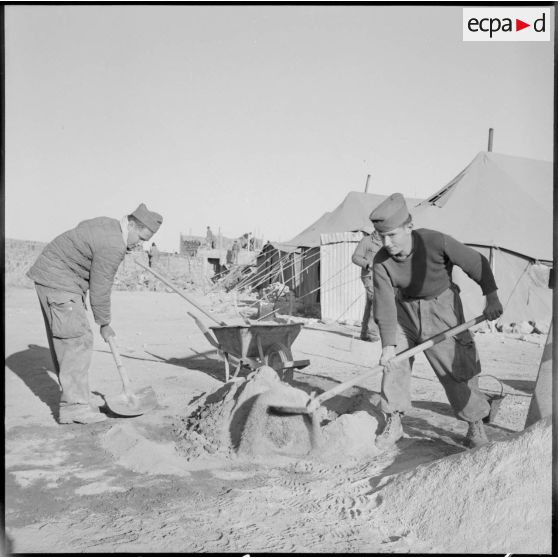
x,y
121,370
403,355
177,291
208,335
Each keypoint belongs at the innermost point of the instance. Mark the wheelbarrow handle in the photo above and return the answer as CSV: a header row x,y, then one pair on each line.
x,y
404,355
177,291
205,330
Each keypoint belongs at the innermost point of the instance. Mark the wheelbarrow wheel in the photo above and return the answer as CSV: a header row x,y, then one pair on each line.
x,y
276,356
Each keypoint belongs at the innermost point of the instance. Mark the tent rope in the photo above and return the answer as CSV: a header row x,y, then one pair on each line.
x,y
516,283
350,306
263,274
292,264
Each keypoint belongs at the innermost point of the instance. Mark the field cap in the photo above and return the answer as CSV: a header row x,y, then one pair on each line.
x,y
390,214
148,218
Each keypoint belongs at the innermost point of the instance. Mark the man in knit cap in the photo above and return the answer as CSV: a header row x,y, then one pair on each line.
x,y
83,259
414,299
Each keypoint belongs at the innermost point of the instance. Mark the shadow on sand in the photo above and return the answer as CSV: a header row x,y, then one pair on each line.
x,y
32,366
207,362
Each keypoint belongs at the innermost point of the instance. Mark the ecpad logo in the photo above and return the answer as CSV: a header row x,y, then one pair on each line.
x,y
506,24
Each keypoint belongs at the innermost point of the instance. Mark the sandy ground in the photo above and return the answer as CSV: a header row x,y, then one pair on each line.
x,y
124,485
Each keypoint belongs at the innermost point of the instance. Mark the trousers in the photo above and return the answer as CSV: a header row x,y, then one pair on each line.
x,y
455,361
70,340
369,326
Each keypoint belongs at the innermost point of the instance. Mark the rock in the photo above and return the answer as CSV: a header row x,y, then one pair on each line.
x,y
524,328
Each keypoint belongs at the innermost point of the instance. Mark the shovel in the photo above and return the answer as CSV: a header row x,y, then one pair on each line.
x,y
166,282
314,402
129,403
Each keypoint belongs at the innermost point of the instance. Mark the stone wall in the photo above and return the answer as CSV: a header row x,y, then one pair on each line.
x,y
182,271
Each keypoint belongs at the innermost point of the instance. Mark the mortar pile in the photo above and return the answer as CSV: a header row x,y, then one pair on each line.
x,y
235,420
232,419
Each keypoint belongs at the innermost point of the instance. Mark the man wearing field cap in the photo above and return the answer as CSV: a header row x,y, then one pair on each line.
x,y
415,299
83,259
363,256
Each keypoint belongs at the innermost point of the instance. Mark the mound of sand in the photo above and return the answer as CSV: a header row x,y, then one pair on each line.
x,y
233,419
494,499
134,450
350,435
236,420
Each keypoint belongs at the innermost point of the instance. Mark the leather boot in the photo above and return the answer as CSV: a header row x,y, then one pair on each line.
x,y
81,414
476,435
392,432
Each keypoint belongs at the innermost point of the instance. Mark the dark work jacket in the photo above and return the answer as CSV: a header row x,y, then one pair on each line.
x,y
81,259
363,255
425,274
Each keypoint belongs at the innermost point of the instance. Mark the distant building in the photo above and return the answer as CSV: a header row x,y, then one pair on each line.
x,y
189,246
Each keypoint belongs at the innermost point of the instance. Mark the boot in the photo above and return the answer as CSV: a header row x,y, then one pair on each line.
x,y
476,435
391,433
81,414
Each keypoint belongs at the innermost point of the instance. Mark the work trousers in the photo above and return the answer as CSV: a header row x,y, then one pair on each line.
x,y
70,340
455,360
369,326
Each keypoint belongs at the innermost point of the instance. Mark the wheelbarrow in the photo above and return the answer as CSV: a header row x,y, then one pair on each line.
x,y
251,345
255,345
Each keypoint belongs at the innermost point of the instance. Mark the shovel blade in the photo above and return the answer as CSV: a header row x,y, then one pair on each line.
x,y
132,404
290,410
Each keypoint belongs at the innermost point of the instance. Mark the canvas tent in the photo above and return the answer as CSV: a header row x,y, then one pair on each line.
x,y
502,206
316,264
329,278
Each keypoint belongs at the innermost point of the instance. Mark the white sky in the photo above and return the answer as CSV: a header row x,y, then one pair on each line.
x,y
252,118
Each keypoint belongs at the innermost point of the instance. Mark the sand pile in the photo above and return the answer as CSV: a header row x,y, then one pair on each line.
x,y
235,421
496,499
132,448
228,421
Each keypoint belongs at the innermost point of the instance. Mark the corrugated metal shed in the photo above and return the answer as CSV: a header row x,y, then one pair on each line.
x,y
342,293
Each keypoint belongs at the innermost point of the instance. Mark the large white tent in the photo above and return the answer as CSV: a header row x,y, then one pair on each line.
x,y
502,206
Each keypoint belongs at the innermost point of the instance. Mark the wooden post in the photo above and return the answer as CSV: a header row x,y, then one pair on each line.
x,y
367,183
490,137
541,402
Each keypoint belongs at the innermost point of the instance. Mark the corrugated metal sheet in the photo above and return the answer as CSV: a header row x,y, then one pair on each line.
x,y
342,294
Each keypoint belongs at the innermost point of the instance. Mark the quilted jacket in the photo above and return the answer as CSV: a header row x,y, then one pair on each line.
x,y
81,259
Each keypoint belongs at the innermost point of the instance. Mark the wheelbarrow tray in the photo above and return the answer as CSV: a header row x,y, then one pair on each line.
x,y
241,341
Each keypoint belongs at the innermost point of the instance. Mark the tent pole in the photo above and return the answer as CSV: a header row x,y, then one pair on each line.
x,y
367,183
492,260
490,138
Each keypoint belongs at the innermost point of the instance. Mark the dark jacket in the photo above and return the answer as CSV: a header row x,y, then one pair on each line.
x,y
425,274
364,254
82,259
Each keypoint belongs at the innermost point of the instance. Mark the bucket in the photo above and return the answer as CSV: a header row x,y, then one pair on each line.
x,y
494,399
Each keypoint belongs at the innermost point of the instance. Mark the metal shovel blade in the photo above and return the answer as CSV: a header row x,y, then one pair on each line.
x,y
132,404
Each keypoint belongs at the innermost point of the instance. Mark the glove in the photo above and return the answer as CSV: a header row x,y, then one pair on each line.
x,y
106,332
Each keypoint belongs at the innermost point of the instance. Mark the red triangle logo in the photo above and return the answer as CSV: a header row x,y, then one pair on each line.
x,y
519,25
